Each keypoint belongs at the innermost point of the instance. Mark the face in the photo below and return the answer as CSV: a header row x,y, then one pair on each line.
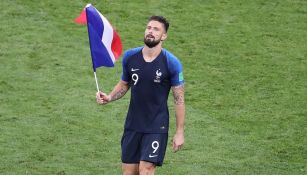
x,y
154,34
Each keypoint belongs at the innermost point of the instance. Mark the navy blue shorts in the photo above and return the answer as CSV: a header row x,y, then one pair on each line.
x,y
147,147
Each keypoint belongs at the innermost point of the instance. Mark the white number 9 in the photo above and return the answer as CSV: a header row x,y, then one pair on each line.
x,y
135,78
155,146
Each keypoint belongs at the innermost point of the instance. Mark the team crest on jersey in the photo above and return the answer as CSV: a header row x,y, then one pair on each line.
x,y
158,76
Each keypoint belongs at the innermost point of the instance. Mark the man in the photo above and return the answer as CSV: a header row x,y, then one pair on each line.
x,y
150,71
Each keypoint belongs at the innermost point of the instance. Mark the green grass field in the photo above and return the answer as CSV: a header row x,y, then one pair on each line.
x,y
245,67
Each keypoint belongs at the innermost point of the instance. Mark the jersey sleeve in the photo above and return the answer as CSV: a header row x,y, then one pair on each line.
x,y
175,69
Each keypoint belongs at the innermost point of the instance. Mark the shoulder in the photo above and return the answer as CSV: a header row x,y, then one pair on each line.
x,y
131,52
168,54
172,60
174,67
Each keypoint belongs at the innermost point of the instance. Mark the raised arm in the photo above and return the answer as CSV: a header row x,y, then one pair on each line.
x,y
178,93
118,91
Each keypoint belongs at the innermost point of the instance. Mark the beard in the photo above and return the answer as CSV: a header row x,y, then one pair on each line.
x,y
150,41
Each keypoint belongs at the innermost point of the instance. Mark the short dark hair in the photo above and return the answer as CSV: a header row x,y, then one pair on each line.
x,y
160,19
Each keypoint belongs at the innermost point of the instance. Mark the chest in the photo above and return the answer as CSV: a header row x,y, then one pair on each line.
x,y
150,73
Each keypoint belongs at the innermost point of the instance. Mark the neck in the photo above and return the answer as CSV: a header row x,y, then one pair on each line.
x,y
150,54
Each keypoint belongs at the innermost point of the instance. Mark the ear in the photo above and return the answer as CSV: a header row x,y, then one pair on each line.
x,y
164,36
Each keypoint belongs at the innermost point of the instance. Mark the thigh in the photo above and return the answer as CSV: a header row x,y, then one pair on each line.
x,y
153,148
130,147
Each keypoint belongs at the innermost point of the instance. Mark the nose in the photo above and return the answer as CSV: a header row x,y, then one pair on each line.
x,y
150,31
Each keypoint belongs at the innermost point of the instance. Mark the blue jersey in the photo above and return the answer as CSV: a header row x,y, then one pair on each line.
x,y
150,83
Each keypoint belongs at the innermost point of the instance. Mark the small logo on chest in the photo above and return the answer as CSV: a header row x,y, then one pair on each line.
x,y
158,76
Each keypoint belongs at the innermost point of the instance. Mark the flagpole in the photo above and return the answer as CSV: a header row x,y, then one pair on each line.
x,y
90,15
96,82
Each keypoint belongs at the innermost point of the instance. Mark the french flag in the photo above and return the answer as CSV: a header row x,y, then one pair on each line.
x,y
105,43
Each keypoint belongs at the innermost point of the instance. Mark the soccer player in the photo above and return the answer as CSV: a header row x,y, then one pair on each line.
x,y
150,72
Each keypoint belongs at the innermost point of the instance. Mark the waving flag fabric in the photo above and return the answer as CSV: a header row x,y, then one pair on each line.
x,y
105,43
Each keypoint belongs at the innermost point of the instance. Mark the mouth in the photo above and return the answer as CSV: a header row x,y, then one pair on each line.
x,y
150,36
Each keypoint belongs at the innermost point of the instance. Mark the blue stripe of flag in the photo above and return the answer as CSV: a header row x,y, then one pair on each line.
x,y
99,53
